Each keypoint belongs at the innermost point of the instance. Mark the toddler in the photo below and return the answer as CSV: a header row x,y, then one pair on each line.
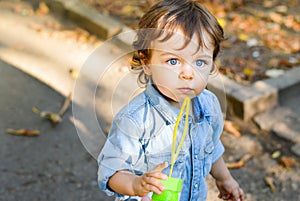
x,y
176,46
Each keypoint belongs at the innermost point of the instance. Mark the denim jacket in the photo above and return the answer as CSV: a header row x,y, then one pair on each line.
x,y
141,135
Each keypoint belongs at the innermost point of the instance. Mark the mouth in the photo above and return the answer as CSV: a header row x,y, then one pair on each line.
x,y
185,90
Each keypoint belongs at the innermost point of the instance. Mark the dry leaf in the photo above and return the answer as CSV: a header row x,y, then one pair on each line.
x,y
240,163
287,63
222,22
276,154
243,37
291,22
276,17
268,4
128,10
274,62
43,9
282,9
270,182
287,162
23,132
248,72
231,128
74,73
54,118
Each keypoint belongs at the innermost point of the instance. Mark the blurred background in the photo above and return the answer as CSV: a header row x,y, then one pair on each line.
x,y
43,46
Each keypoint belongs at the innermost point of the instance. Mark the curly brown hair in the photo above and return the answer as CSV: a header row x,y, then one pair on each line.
x,y
164,18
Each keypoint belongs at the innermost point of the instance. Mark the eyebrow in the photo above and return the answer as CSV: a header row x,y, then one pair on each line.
x,y
197,56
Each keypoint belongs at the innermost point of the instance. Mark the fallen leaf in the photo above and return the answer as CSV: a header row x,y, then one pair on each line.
x,y
54,118
23,132
43,9
276,154
287,162
282,9
231,128
287,63
248,72
270,182
291,22
276,17
222,22
74,73
128,9
268,3
243,37
240,163
274,62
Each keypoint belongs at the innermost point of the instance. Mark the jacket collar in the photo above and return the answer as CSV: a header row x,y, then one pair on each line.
x,y
168,112
201,105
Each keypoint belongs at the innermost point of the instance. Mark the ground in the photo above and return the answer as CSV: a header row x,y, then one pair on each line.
x,y
45,168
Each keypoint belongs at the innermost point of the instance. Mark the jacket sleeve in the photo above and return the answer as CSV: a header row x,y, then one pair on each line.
x,y
122,151
217,124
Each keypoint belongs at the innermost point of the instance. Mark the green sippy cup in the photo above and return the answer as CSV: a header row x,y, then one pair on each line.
x,y
173,187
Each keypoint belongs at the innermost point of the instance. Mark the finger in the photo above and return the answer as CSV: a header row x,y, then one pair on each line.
x,y
220,196
242,195
160,167
157,175
236,194
153,188
154,182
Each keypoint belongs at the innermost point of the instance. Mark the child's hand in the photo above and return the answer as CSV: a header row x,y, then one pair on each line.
x,y
148,182
230,190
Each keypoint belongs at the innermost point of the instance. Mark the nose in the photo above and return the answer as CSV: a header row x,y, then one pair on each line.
x,y
186,72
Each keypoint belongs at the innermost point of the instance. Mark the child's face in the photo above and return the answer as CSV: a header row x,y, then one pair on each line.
x,y
179,72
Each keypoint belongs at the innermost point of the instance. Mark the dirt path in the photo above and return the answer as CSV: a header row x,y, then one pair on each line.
x,y
54,165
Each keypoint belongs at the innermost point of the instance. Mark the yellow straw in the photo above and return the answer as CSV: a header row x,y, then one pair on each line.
x,y
175,153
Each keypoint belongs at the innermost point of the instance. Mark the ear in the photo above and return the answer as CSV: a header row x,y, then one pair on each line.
x,y
146,68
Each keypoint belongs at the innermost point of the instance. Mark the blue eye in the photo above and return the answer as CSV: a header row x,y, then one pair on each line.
x,y
199,63
173,61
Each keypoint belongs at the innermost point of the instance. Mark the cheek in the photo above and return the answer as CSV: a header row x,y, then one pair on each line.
x,y
163,76
202,80
203,75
